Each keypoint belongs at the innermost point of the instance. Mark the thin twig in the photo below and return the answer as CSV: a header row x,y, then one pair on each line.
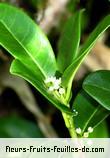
x,y
52,14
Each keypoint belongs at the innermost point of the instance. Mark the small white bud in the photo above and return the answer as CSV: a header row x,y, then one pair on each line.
x,y
86,135
61,91
78,130
51,89
90,129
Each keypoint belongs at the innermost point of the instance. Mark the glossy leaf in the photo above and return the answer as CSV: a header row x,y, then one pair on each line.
x,y
17,68
97,85
69,41
70,72
101,131
16,127
89,113
20,36
26,42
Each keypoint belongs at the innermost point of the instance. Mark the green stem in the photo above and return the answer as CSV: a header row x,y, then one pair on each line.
x,y
69,122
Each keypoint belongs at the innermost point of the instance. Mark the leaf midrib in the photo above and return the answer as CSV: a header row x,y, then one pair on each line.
x,y
93,85
90,118
92,115
1,21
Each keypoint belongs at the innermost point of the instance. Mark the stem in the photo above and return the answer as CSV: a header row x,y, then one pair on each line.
x,y
72,131
69,122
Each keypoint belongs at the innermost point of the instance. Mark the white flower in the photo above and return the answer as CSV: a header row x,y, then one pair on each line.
x,y
50,79
57,83
90,129
78,130
61,91
86,135
54,87
53,83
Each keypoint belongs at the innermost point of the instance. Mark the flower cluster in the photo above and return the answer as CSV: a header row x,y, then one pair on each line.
x,y
86,134
54,84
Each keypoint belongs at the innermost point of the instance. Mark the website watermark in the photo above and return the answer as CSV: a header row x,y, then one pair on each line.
x,y
54,148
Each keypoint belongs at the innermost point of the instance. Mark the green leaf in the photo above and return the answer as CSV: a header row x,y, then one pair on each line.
x,y
69,41
20,36
25,41
70,72
89,113
97,85
101,131
16,127
17,68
